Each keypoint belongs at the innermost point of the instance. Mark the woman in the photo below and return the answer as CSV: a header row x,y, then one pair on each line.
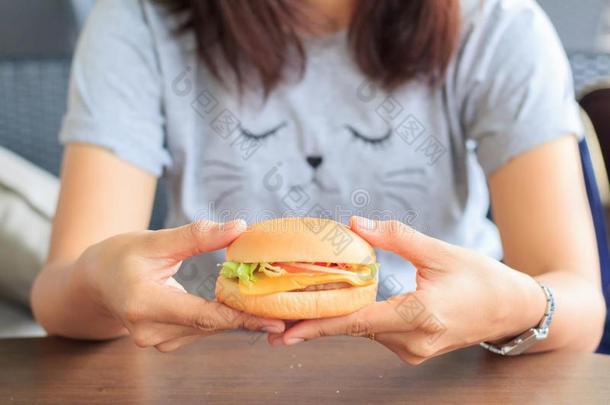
x,y
408,113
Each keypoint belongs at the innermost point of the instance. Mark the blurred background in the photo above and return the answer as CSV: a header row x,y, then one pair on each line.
x,y
37,38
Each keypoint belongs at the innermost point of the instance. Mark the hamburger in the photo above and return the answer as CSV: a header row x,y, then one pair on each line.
x,y
298,268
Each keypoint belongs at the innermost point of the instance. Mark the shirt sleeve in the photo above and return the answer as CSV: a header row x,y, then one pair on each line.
x,y
115,96
520,92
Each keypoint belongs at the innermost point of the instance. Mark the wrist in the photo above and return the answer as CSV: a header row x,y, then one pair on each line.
x,y
523,308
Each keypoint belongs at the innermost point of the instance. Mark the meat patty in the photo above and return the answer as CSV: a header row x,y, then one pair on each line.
x,y
328,286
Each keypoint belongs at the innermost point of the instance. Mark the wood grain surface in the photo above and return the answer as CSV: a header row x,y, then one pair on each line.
x,y
242,368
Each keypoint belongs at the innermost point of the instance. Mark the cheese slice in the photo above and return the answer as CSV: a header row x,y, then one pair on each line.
x,y
296,281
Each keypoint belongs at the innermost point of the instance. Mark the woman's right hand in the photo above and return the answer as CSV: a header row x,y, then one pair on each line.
x,y
130,279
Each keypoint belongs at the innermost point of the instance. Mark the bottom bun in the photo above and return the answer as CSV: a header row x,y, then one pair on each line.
x,y
296,305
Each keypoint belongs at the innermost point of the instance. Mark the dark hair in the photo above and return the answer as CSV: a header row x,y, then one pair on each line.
x,y
392,41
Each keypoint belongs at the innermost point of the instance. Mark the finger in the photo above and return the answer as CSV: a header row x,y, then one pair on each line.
x,y
275,339
399,238
175,344
384,316
148,334
165,305
191,239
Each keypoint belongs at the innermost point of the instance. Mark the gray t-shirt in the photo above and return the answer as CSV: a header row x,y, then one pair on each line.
x,y
331,144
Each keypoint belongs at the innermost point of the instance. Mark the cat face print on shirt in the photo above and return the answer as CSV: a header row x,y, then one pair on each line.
x,y
319,147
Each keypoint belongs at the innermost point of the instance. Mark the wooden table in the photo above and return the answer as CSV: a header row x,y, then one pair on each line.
x,y
241,368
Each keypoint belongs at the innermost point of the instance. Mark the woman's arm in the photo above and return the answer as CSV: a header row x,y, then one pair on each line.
x,y
540,207
101,196
107,276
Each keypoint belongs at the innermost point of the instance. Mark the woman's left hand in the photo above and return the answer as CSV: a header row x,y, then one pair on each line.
x,y
462,298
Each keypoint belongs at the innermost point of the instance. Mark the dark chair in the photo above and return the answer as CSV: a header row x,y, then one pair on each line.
x,y
595,100
597,210
596,103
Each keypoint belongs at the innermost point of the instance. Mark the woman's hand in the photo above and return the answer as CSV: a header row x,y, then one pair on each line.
x,y
130,278
462,298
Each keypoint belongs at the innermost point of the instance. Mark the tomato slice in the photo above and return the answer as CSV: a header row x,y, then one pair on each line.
x,y
313,268
293,269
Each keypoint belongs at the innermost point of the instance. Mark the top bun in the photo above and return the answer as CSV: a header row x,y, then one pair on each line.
x,y
300,239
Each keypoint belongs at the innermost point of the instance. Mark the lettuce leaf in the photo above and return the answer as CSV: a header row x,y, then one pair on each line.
x,y
243,271
374,269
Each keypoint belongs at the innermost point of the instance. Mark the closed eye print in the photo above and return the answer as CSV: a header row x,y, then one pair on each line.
x,y
375,141
261,135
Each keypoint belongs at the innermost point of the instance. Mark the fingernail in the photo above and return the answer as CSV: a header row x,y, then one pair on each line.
x,y
237,224
273,329
364,223
293,341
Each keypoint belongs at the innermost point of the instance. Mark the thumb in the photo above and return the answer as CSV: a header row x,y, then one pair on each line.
x,y
401,239
192,239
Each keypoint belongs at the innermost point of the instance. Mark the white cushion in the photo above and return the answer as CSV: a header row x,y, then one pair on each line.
x,y
28,197
17,321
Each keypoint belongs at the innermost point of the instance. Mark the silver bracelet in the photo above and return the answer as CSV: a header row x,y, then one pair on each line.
x,y
530,337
